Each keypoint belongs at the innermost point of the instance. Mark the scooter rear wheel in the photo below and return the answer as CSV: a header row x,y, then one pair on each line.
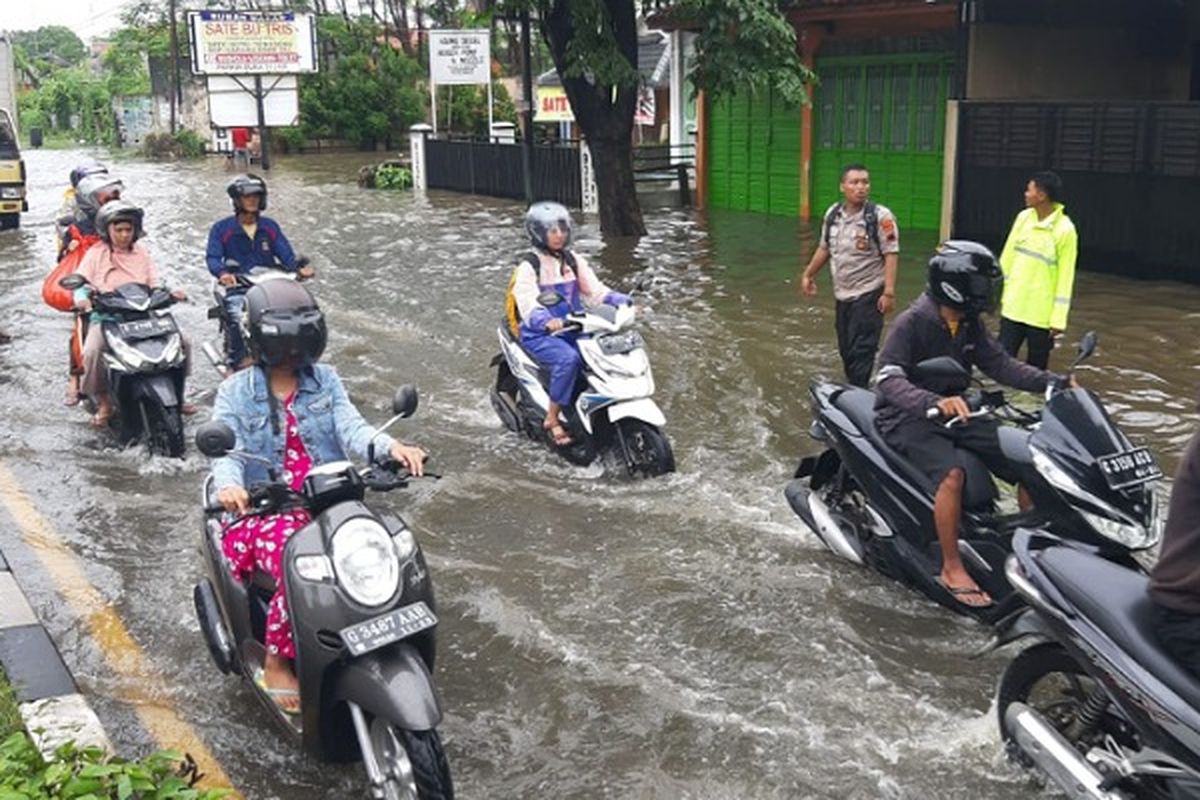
x,y
413,763
1048,679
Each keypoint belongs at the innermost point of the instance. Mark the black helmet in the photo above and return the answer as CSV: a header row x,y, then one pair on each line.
x,y
964,275
283,325
87,193
84,168
242,185
119,211
541,218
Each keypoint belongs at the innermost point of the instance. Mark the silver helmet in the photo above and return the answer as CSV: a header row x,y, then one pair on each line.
x,y
544,216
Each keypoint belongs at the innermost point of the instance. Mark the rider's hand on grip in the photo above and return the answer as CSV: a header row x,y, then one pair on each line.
x,y
955,407
234,499
411,457
227,279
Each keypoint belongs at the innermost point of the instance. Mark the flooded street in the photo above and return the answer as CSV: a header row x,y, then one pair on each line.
x,y
683,637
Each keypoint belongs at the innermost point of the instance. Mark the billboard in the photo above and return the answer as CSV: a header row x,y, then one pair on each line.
x,y
252,43
232,105
460,57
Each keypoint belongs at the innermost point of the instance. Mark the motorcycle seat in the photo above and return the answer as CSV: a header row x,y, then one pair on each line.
x,y
1114,599
859,406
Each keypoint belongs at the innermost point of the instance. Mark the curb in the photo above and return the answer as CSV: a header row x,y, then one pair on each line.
x,y
51,706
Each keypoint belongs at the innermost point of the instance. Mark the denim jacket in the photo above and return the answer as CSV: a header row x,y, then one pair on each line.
x,y
329,424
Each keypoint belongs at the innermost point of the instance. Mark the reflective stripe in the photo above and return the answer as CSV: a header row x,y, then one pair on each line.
x,y
1062,301
890,371
1035,254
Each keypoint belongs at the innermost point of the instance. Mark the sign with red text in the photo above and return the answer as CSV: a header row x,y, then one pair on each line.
x,y
252,43
553,105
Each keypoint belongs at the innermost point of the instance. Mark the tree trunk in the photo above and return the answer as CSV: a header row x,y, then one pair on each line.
x,y
605,120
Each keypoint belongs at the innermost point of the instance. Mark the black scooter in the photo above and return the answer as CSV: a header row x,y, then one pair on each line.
x,y
144,361
361,604
1094,701
871,506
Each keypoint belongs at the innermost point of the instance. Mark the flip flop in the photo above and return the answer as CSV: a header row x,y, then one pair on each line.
x,y
72,399
260,680
960,592
187,409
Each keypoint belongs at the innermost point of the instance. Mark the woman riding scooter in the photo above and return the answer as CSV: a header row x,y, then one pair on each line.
x,y
554,267
294,412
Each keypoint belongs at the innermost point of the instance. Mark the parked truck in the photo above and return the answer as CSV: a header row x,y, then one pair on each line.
x,y
12,168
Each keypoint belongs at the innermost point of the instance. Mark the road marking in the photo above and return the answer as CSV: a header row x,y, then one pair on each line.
x,y
121,651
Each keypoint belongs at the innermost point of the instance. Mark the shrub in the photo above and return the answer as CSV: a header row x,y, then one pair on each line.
x,y
90,773
184,144
393,176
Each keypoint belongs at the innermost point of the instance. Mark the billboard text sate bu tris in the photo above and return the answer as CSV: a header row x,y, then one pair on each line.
x,y
252,43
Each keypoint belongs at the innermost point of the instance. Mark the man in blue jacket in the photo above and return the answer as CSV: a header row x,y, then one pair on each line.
x,y
248,240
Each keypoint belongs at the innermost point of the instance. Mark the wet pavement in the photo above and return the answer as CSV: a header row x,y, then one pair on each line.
x,y
677,638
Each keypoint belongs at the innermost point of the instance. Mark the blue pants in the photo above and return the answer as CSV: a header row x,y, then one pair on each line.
x,y
234,303
559,356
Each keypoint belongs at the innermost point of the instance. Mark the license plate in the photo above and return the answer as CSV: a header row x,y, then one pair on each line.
x,y
391,627
147,328
1130,468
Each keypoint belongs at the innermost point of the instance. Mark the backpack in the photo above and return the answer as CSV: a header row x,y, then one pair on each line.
x,y
870,220
511,312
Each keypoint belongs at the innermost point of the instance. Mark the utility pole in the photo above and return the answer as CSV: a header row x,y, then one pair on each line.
x,y
527,112
264,157
175,92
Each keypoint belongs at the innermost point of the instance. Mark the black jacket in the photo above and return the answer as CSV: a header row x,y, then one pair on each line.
x,y
920,333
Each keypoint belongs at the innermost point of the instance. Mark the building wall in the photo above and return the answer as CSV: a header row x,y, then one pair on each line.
x,y
1009,62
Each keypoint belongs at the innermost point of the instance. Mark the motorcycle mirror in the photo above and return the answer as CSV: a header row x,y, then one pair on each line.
x,y
215,439
404,402
72,281
1087,346
549,299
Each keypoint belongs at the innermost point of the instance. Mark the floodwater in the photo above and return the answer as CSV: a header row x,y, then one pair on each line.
x,y
683,637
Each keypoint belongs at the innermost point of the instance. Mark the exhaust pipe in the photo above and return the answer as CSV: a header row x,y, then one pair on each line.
x,y
212,355
1055,756
816,515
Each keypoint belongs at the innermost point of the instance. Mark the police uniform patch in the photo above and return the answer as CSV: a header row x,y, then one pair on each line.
x,y
861,243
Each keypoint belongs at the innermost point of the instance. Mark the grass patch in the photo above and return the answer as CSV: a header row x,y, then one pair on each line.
x,y
10,716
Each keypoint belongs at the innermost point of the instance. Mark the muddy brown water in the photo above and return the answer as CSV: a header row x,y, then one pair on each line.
x,y
676,638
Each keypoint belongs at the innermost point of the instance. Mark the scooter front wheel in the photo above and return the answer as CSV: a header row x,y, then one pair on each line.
x,y
413,763
163,429
645,448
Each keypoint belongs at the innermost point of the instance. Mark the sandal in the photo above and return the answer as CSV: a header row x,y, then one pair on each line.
x,y
187,409
72,399
100,421
276,695
960,593
559,434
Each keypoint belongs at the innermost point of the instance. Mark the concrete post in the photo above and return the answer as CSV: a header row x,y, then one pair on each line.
x,y
949,171
416,144
589,196
678,92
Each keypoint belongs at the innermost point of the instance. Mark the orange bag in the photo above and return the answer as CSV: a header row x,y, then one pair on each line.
x,y
55,295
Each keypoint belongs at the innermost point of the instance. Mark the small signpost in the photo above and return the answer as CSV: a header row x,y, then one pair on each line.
x,y
458,58
255,53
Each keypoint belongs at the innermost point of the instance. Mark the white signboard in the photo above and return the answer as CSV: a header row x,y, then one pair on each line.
x,y
231,102
252,43
460,57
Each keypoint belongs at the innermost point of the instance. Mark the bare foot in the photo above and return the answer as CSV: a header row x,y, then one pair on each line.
x,y
557,432
104,412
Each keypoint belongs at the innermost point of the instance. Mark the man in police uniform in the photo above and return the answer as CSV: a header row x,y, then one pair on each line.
x,y
862,241
1039,272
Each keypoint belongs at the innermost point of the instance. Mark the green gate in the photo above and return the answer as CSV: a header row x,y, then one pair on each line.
x,y
887,112
754,154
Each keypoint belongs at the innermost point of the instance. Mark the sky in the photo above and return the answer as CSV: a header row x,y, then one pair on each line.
x,y
87,18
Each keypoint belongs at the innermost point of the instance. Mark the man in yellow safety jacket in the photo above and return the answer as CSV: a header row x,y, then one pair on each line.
x,y
1039,272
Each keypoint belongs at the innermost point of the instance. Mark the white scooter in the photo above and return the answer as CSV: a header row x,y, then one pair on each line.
x,y
613,410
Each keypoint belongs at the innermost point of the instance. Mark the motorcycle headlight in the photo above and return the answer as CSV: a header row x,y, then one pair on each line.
x,y
172,350
126,352
1129,534
364,558
11,192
